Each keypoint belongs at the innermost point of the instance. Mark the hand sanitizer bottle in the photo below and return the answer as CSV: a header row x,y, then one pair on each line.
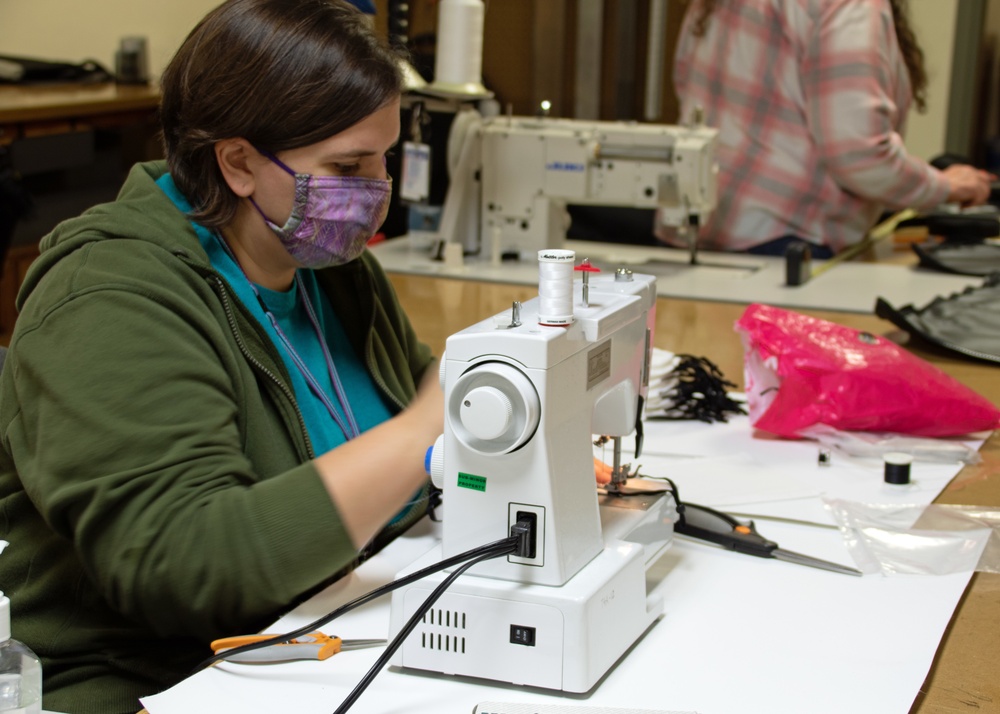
x,y
20,670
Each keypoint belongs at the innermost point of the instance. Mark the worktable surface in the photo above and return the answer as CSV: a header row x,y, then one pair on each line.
x,y
966,671
850,286
811,643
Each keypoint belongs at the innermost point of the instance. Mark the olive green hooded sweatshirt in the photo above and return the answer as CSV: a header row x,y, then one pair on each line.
x,y
156,483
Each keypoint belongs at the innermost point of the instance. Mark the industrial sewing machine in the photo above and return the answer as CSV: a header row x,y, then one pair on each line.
x,y
523,402
512,178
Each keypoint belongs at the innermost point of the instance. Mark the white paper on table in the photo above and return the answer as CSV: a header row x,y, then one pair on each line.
x,y
728,464
739,633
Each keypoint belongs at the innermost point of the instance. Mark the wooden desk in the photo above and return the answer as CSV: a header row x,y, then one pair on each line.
x,y
33,111
38,110
966,673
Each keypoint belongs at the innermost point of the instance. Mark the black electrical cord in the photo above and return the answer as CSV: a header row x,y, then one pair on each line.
x,y
492,550
414,619
672,487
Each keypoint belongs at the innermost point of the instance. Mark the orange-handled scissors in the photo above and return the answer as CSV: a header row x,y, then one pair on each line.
x,y
315,645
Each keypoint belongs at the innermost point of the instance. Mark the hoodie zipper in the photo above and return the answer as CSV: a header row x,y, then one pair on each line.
x,y
231,318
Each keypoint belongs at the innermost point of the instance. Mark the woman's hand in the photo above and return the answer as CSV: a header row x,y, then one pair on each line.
x,y
602,471
372,476
969,186
426,411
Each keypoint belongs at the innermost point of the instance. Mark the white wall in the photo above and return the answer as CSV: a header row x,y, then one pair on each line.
x,y
75,30
934,25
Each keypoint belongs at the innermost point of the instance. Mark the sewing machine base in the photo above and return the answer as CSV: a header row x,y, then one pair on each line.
x,y
564,638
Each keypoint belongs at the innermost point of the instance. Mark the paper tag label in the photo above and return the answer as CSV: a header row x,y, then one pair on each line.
x,y
416,172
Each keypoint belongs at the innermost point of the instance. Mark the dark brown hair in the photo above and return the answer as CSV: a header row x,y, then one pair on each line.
x,y
913,56
279,73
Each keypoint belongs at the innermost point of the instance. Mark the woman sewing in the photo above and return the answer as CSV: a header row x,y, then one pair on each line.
x,y
213,403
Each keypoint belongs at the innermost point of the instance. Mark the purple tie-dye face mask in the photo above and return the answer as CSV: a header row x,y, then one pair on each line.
x,y
332,218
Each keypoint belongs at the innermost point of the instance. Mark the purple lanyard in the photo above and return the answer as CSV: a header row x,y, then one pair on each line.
x,y
350,427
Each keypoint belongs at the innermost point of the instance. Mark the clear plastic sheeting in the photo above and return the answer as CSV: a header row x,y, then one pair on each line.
x,y
933,539
875,445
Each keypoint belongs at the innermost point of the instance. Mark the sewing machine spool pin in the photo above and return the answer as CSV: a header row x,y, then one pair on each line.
x,y
515,314
586,267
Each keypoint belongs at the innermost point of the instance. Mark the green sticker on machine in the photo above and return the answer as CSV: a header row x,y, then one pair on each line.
x,y
476,483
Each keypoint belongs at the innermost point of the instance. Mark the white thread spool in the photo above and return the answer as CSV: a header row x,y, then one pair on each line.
x,y
555,287
458,68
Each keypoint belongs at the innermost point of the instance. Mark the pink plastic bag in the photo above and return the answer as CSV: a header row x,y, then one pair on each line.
x,y
801,371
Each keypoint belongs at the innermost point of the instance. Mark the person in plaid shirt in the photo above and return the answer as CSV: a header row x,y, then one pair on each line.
x,y
810,98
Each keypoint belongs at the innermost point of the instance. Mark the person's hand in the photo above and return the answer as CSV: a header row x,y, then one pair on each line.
x,y
602,472
969,185
427,406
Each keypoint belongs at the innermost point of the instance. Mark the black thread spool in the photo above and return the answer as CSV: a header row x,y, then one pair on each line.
x,y
897,468
798,264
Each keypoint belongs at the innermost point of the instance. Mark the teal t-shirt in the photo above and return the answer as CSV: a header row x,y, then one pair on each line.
x,y
363,398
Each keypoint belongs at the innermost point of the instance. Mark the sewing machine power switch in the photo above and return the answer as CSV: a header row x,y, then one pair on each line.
x,y
522,635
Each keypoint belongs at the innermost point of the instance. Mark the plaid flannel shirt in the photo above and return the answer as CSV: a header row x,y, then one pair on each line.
x,y
810,98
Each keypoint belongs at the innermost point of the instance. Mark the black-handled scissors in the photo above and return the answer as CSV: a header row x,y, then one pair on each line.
x,y
716,527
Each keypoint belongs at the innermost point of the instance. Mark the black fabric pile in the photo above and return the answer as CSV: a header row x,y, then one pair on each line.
x,y
966,323
979,259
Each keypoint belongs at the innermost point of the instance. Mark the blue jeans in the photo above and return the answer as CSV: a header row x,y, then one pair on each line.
x,y
778,246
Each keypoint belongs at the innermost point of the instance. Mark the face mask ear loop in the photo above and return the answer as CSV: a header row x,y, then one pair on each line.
x,y
271,157
254,204
268,155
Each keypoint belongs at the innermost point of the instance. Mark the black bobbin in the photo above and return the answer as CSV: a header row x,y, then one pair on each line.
x,y
897,468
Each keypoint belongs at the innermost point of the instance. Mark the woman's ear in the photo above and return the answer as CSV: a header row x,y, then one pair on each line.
x,y
236,158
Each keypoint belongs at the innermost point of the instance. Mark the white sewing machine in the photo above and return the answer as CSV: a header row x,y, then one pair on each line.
x,y
523,403
513,177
